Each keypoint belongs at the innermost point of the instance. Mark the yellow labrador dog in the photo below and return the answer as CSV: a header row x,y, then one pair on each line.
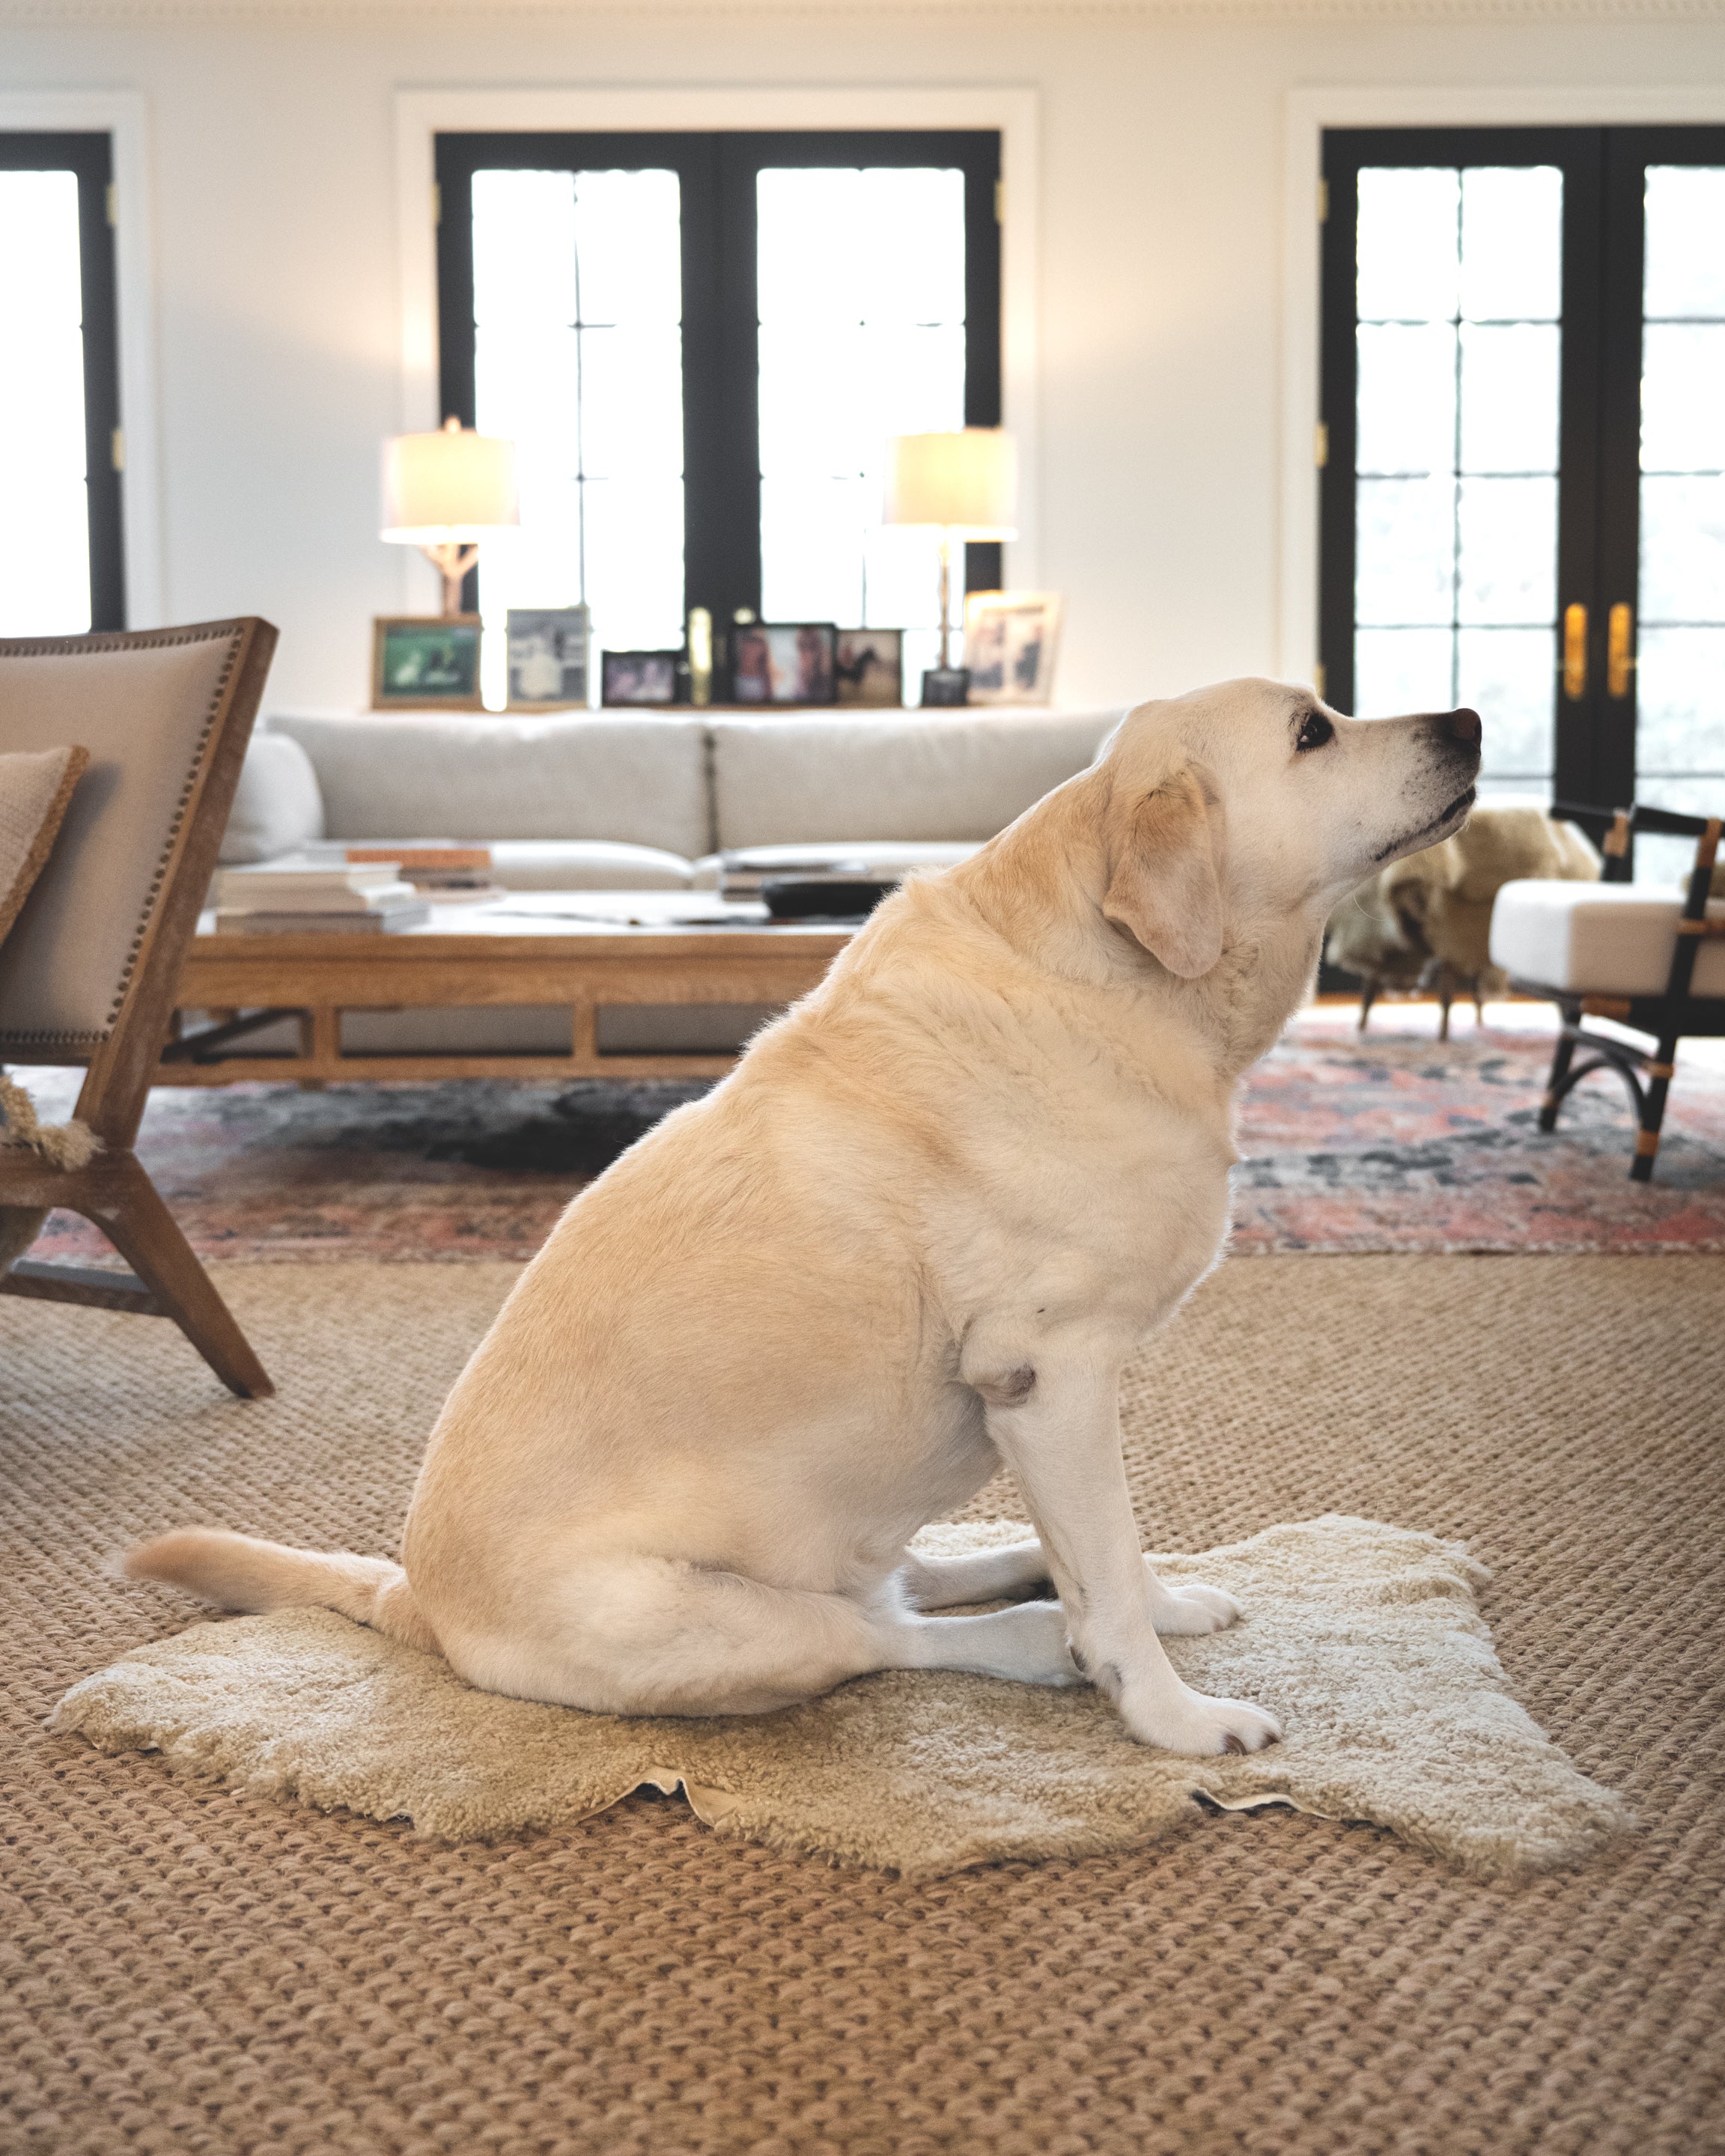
x,y
914,1235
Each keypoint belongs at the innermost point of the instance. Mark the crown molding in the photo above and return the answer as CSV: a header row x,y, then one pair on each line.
x,y
51,15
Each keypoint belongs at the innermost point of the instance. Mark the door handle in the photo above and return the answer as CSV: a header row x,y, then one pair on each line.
x,y
1575,653
1619,660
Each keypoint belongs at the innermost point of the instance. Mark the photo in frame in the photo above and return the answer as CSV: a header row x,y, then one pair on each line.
x,y
783,663
869,668
549,658
426,661
638,677
1010,642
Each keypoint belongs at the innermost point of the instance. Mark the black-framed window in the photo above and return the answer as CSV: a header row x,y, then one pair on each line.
x,y
60,444
806,281
1524,499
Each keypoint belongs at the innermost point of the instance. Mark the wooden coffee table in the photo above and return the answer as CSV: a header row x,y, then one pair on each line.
x,y
575,950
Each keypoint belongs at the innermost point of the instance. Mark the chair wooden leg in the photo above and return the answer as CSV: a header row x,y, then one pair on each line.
x,y
1659,1079
148,1237
1368,997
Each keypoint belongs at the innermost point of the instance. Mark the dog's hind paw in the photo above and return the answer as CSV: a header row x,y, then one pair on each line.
x,y
1192,1609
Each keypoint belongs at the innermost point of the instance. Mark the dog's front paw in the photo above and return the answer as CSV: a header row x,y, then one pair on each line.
x,y
1185,1610
1196,1723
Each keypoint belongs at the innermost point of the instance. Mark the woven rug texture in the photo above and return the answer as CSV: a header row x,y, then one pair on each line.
x,y
1363,1638
182,1969
1391,1141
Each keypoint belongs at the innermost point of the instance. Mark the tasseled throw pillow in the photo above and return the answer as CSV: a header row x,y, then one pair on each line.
x,y
35,792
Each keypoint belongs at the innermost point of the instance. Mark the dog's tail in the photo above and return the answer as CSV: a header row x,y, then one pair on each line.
x,y
238,1572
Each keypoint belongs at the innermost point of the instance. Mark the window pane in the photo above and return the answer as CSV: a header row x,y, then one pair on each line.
x,y
861,282
1406,543
1509,553
1682,550
44,534
1403,669
1508,673
1685,260
1683,397
1408,244
1511,243
1509,398
578,360
1407,398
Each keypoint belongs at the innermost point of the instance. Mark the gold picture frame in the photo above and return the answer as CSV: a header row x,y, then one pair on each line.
x,y
426,662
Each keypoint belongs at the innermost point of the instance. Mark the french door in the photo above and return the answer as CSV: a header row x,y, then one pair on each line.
x,y
1523,444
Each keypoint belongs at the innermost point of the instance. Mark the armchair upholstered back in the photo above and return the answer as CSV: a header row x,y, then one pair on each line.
x,y
156,710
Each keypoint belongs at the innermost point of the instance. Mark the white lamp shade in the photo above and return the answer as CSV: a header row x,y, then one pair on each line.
x,y
454,485
966,482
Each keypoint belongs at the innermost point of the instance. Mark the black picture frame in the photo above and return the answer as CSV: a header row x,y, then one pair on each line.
x,y
638,680
791,665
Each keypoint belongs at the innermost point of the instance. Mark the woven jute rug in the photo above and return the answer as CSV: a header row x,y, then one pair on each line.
x,y
1363,1638
183,1968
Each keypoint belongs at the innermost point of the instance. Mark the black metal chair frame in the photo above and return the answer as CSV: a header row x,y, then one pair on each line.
x,y
1668,1018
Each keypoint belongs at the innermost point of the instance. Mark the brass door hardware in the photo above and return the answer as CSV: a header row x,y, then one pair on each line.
x,y
1575,652
1619,660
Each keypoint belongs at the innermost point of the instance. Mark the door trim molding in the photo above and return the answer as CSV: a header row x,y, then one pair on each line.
x,y
1307,113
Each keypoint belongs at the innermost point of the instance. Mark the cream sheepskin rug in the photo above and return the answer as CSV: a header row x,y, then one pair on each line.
x,y
1363,1637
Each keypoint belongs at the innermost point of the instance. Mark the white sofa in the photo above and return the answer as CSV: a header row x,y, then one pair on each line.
x,y
633,801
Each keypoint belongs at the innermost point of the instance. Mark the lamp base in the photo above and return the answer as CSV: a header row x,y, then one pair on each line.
x,y
944,687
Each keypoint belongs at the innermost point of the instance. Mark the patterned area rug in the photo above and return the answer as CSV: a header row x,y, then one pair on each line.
x,y
1395,1141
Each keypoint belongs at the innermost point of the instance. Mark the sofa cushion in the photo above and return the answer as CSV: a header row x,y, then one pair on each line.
x,y
640,778
1614,939
928,775
586,864
277,807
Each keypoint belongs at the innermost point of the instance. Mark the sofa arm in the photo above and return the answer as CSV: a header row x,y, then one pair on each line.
x,y
278,805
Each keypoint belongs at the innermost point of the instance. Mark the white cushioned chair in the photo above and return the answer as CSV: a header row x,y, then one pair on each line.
x,y
1641,957
89,969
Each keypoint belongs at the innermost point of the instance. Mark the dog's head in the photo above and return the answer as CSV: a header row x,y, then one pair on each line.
x,y
1243,813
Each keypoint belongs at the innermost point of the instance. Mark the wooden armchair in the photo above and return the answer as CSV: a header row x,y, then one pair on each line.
x,y
1621,952
89,971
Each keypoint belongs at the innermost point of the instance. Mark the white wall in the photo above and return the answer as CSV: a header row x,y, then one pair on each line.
x,y
1160,235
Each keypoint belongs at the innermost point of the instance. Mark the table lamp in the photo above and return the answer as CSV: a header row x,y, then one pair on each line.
x,y
444,492
964,485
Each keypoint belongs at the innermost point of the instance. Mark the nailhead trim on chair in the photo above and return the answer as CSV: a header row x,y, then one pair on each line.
x,y
79,647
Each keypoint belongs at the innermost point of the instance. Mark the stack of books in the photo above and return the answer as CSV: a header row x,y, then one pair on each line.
x,y
296,898
447,876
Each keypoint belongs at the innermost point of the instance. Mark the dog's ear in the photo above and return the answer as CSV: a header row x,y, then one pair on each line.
x,y
1166,884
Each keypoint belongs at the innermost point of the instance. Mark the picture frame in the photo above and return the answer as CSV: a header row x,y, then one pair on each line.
x,y
1011,640
426,662
784,663
550,650
868,669
639,680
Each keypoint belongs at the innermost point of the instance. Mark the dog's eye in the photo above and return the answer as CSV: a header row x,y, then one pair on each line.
x,y
1316,732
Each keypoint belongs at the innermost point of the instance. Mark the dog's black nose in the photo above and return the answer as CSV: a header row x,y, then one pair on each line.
x,y
1462,725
